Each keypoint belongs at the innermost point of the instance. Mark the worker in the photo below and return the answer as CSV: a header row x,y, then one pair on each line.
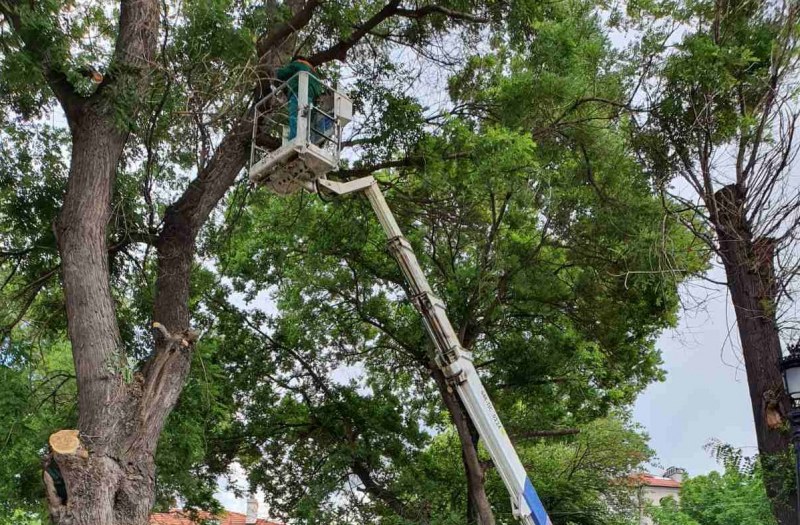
x,y
289,73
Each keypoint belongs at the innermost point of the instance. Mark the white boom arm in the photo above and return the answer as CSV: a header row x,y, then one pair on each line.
x,y
455,361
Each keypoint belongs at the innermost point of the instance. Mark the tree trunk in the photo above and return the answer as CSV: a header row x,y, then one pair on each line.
x,y
102,482
749,269
479,510
109,478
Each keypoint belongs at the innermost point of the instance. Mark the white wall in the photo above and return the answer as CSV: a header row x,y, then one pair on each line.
x,y
652,496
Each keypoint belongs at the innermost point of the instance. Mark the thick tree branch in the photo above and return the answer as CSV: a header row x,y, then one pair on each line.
x,y
137,40
428,10
165,372
339,51
381,493
97,144
38,47
282,31
533,434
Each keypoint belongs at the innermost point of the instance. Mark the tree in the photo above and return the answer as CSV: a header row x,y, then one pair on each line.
x,y
722,103
157,104
126,87
578,475
541,274
735,497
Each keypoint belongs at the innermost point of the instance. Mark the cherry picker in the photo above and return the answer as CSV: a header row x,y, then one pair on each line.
x,y
301,163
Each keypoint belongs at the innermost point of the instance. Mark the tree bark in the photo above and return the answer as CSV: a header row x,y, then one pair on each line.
x,y
106,479
91,313
749,268
103,482
479,510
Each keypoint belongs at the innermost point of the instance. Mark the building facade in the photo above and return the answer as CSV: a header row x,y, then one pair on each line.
x,y
652,489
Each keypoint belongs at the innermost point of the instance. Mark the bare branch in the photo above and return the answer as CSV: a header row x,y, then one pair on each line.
x,y
533,434
437,9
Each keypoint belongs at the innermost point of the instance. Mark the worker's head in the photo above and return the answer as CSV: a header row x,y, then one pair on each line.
x,y
302,58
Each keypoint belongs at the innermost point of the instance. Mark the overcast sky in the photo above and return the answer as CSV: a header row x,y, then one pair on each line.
x,y
705,393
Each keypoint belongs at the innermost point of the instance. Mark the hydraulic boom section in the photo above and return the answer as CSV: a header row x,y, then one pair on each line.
x,y
310,146
455,361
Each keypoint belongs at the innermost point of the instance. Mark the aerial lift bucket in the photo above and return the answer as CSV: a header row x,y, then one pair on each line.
x,y
311,136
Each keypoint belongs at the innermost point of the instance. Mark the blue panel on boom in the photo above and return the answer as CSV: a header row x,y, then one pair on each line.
x,y
535,504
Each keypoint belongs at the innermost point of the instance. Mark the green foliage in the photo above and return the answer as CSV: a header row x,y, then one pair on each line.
x,y
579,478
537,228
20,517
525,204
726,78
552,285
735,497
36,399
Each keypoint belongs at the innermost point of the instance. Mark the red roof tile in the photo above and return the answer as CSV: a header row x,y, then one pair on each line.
x,y
656,481
179,517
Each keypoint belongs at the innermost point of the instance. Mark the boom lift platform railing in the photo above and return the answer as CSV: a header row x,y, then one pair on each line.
x,y
313,149
296,166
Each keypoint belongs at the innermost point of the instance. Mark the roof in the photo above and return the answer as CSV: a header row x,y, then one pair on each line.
x,y
656,481
179,517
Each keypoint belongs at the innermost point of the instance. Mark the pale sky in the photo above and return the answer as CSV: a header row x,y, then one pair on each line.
x,y
705,393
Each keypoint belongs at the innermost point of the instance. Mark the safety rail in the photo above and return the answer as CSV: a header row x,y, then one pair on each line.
x,y
308,116
269,119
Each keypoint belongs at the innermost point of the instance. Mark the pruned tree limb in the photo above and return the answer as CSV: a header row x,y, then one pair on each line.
x,y
64,442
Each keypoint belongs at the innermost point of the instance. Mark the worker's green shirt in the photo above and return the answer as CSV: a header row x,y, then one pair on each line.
x,y
291,69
